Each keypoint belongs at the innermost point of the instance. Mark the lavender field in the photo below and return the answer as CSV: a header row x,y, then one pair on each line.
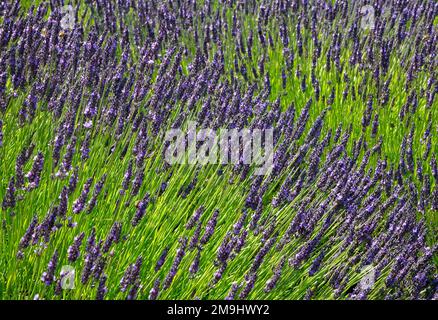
x,y
92,208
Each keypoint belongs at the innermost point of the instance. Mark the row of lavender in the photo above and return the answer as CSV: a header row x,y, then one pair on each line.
x,y
338,199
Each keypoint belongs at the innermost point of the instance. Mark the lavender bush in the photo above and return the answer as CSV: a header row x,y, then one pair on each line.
x,y
348,211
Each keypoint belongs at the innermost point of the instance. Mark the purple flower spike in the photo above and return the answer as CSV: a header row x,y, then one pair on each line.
x,y
194,267
73,251
79,203
73,181
239,224
195,238
131,276
101,289
49,275
96,192
63,202
9,198
194,218
113,236
233,291
153,293
180,253
209,228
252,278
141,209
272,282
27,237
162,259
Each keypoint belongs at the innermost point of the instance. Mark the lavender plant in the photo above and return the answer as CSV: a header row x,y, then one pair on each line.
x,y
85,182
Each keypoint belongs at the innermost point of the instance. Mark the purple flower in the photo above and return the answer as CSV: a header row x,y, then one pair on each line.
x,y
132,295
63,202
85,147
163,187
79,203
162,259
185,191
73,251
131,275
194,267
34,174
316,263
153,293
98,266
91,109
9,198
210,227
68,157
305,250
113,236
90,266
434,166
101,289
428,148
87,269
97,189
435,198
239,224
219,273
27,237
271,283
137,182
302,121
255,217
127,178
194,218
375,125
233,291
252,278
241,241
268,229
22,158
224,250
409,157
72,183
48,275
180,253
261,254
195,238
309,294
141,209
366,118
91,241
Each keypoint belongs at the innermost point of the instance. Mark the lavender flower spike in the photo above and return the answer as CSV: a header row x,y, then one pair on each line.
x,y
209,228
162,259
101,289
180,253
27,237
194,218
9,198
153,294
79,203
252,278
73,251
194,267
233,291
49,275
270,284
34,174
141,209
